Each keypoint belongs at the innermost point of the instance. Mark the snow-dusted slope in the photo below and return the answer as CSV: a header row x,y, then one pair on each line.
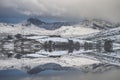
x,y
69,31
74,31
113,34
65,61
99,24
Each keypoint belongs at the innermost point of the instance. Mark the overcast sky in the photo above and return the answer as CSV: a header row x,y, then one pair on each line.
x,y
61,9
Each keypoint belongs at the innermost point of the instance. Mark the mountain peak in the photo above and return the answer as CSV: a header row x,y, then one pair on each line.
x,y
35,21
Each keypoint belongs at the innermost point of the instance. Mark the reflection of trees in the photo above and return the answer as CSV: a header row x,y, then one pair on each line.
x,y
88,46
25,46
19,48
28,46
3,50
77,45
108,46
99,46
70,46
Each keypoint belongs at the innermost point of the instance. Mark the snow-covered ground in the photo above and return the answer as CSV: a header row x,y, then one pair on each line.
x,y
64,31
72,31
65,61
113,34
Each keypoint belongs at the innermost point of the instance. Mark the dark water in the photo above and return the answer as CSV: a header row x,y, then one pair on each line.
x,y
19,75
14,74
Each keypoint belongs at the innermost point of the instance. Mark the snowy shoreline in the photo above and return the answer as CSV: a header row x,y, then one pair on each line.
x,y
26,63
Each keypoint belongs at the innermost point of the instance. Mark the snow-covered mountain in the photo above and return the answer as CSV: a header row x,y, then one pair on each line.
x,y
63,31
99,24
93,23
22,28
69,29
46,25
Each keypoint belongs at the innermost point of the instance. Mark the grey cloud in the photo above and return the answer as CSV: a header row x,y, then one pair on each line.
x,y
62,9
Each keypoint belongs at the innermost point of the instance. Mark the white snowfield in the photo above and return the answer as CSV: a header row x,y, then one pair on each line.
x,y
66,61
64,31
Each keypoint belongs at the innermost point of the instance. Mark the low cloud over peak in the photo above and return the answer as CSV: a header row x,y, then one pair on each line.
x,y
62,9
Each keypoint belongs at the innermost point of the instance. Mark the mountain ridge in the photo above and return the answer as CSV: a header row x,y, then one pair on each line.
x,y
93,23
46,25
